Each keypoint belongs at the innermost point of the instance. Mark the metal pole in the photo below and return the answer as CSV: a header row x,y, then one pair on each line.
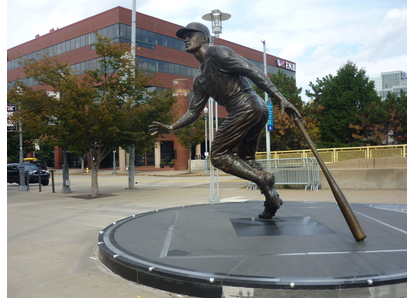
x,y
131,164
22,185
131,171
114,163
265,70
206,141
217,170
39,180
52,180
28,182
211,167
66,181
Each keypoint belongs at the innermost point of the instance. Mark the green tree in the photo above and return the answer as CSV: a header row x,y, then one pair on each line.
x,y
285,135
190,136
13,146
339,100
44,152
94,113
398,115
380,118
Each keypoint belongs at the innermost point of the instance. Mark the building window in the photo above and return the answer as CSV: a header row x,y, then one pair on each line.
x,y
151,37
147,39
144,35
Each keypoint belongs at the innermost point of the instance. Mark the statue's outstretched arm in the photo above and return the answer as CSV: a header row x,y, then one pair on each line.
x,y
196,106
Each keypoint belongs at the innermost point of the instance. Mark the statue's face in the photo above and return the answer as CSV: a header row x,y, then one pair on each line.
x,y
193,41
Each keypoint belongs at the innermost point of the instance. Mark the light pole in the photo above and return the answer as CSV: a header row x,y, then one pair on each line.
x,y
216,17
267,131
206,141
131,163
66,182
22,174
22,185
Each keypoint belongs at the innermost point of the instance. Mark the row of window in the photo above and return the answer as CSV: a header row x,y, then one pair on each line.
x,y
122,33
118,32
144,63
151,65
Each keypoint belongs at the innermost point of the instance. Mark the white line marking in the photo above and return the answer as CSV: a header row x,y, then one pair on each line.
x,y
167,242
395,228
234,199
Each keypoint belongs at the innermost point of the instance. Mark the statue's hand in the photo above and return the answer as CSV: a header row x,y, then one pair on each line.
x,y
289,108
159,128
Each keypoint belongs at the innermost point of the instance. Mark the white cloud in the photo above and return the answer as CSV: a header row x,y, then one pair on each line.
x,y
293,51
321,51
388,39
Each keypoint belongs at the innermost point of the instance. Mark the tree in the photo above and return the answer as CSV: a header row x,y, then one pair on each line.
x,y
190,136
94,113
285,135
13,146
44,152
380,118
338,100
398,115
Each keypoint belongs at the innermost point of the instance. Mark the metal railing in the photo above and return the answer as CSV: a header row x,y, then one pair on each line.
x,y
295,171
330,155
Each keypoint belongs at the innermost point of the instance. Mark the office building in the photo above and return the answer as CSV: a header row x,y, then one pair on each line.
x,y
393,81
158,50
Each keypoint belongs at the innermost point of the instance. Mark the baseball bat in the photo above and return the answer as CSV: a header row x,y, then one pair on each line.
x,y
341,200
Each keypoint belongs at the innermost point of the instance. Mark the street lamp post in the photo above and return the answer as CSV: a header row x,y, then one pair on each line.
x,y
131,163
22,174
265,70
206,141
66,182
216,17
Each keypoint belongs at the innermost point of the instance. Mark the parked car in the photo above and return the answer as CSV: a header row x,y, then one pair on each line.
x,y
35,161
30,169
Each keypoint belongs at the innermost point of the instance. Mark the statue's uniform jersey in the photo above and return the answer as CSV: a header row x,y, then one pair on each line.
x,y
223,76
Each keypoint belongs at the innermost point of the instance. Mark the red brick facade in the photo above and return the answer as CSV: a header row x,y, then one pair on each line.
x,y
123,15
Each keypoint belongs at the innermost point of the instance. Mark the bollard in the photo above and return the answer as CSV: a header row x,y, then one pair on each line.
x,y
39,180
27,182
52,179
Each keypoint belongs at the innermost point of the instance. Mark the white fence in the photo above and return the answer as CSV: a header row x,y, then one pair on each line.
x,y
296,171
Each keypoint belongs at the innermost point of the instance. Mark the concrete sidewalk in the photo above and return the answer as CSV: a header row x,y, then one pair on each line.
x,y
52,237
141,171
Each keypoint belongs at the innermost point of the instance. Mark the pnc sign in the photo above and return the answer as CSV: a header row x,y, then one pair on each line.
x,y
286,65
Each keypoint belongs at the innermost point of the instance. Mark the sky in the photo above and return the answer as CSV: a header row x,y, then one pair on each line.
x,y
320,36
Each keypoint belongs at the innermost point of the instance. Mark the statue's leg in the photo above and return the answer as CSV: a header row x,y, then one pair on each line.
x,y
246,150
248,144
233,130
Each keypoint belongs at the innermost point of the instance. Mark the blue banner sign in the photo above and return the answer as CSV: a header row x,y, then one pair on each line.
x,y
270,120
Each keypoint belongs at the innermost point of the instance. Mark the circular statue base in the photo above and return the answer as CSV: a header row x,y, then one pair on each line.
x,y
224,250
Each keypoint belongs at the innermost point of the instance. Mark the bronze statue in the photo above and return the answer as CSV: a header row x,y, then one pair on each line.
x,y
222,75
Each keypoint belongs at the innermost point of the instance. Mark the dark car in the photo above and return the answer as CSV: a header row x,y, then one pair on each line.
x,y
30,169
35,161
